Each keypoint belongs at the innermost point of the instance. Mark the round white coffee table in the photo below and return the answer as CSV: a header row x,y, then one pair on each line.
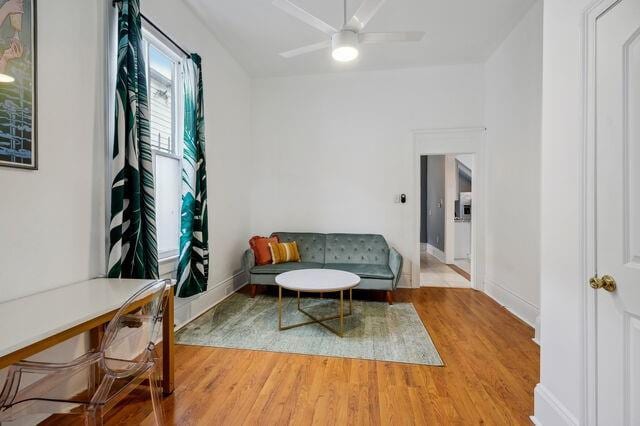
x,y
317,281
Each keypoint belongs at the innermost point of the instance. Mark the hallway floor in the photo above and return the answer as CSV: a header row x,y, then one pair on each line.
x,y
434,273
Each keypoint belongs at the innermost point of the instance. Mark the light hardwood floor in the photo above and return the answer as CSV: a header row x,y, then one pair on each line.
x,y
434,273
492,366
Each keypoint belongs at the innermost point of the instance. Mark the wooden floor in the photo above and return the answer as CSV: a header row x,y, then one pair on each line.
x,y
491,368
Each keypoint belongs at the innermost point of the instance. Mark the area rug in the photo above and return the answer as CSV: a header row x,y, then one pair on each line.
x,y
375,330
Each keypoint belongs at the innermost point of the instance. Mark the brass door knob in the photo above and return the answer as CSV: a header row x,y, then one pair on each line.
x,y
606,282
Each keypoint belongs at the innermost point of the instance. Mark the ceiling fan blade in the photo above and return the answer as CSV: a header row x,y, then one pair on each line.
x,y
370,38
304,16
306,49
363,15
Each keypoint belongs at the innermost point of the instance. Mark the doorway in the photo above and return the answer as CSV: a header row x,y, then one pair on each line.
x,y
446,198
464,146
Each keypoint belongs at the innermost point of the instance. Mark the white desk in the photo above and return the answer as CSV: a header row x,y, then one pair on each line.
x,y
30,324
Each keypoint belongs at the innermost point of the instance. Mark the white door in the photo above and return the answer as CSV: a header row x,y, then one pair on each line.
x,y
618,212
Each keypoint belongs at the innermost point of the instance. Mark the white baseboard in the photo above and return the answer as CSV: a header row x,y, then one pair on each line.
x,y
436,252
549,411
538,337
187,309
513,303
405,277
167,267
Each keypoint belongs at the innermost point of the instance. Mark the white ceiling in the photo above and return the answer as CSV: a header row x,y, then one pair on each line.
x,y
458,31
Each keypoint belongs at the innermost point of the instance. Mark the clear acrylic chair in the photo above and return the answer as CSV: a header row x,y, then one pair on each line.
x,y
93,383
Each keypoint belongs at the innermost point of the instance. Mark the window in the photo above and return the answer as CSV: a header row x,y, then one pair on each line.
x,y
164,83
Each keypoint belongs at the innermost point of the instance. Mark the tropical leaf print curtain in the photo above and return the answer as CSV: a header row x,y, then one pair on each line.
x,y
193,264
133,247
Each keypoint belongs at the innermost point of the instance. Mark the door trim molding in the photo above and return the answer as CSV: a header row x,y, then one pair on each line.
x,y
461,140
587,173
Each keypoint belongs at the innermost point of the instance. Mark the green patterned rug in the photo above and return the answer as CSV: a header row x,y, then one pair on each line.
x,y
376,330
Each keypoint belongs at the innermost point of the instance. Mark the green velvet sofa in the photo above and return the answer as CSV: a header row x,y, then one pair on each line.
x,y
366,255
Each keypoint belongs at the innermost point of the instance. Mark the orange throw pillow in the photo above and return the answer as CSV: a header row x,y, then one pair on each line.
x,y
260,247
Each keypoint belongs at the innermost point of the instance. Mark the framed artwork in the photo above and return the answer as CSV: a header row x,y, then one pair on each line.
x,y
18,143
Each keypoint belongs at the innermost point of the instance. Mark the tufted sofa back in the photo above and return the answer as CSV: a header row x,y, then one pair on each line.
x,y
339,248
310,245
357,248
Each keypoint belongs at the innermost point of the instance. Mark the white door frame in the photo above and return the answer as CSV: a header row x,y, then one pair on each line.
x,y
468,140
587,173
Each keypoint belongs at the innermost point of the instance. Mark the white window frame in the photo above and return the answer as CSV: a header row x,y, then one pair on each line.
x,y
159,42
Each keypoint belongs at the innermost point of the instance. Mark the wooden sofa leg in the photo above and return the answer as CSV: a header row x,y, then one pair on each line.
x,y
390,297
254,289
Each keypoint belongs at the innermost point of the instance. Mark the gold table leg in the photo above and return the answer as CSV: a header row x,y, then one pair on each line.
x,y
350,300
280,307
315,320
341,313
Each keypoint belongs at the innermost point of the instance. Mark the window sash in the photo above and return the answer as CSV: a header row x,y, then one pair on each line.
x,y
177,101
167,254
177,113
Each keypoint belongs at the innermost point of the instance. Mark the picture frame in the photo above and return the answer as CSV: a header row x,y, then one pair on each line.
x,y
18,84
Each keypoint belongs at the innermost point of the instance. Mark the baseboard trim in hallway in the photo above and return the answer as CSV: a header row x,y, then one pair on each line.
x,y
460,271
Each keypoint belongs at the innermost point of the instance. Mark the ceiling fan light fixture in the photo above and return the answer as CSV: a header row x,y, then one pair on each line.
x,y
345,54
344,46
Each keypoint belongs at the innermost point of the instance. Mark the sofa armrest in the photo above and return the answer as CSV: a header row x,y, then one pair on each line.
x,y
248,260
395,263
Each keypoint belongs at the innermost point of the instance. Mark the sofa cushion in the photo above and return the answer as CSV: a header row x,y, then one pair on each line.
x,y
364,270
310,245
260,247
279,268
284,252
356,249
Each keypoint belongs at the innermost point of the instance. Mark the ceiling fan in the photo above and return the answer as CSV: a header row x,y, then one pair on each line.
x,y
344,41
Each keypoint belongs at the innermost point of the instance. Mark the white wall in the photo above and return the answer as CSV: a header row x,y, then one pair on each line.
x,y
559,399
52,221
513,104
330,152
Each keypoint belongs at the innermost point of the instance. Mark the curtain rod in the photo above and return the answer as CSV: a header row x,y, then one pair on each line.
x,y
187,54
